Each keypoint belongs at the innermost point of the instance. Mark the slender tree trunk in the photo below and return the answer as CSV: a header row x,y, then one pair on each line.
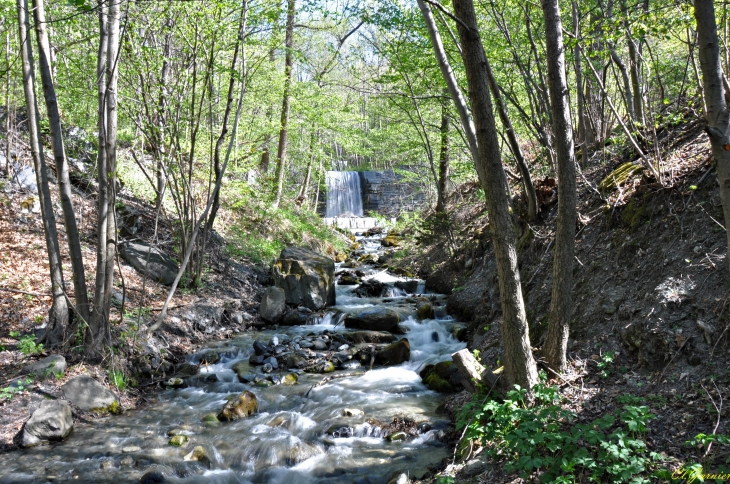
x,y
635,73
284,127
99,334
519,363
160,151
628,96
304,190
7,102
58,315
444,154
59,155
514,144
561,304
459,101
718,117
99,309
226,117
582,141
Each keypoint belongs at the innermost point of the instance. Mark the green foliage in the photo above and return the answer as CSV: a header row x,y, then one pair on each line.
x,y
28,346
6,393
260,233
547,438
118,379
605,363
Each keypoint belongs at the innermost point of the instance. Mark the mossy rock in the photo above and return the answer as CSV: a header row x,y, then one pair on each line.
x,y
635,213
210,418
398,437
391,240
438,384
175,383
244,405
445,369
619,177
290,379
460,332
200,455
178,440
424,310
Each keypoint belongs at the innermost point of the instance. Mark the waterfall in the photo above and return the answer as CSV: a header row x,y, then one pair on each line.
x,y
344,195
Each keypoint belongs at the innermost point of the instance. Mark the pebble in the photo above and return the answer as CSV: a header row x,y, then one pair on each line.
x,y
131,448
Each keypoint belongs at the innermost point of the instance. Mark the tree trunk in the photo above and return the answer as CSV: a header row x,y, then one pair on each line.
x,y
102,201
635,73
718,117
456,95
582,141
99,334
628,96
561,304
284,129
58,315
444,153
59,156
514,144
226,117
519,363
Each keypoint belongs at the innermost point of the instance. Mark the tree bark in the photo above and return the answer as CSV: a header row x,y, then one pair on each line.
x,y
561,304
444,152
628,96
59,156
58,315
582,141
285,103
99,334
459,101
519,363
718,118
527,184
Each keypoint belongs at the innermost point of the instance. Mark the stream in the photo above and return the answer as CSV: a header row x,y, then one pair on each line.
x,y
309,432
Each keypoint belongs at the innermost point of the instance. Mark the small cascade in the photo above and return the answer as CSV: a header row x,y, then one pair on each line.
x,y
344,194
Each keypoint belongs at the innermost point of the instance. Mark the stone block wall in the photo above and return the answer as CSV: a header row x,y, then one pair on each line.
x,y
385,193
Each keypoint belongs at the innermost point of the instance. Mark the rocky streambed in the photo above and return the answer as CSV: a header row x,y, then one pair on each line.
x,y
336,397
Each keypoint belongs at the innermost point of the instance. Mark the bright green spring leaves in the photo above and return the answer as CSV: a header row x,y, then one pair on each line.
x,y
551,440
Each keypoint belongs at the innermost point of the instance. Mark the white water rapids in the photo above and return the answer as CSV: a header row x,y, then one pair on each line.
x,y
290,440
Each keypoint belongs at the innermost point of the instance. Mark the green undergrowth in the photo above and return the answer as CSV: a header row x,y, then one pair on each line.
x,y
259,233
551,442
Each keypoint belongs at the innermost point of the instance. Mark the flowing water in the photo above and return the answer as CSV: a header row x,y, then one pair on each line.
x,y
344,194
294,436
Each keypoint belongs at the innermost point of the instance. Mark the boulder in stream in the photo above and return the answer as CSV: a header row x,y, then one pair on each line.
x,y
410,286
52,421
424,310
356,337
273,304
90,395
296,318
308,278
374,319
244,405
395,353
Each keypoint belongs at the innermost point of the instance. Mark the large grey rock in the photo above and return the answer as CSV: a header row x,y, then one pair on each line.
x,y
273,304
89,395
161,267
50,365
308,279
374,319
52,421
394,354
469,367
